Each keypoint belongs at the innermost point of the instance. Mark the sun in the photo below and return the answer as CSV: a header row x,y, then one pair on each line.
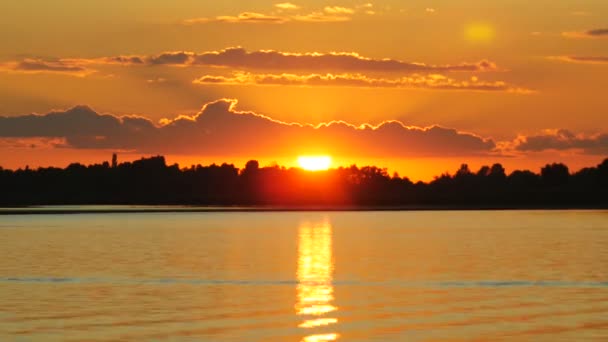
x,y
314,163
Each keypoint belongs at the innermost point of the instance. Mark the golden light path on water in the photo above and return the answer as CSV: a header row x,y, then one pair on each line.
x,y
315,274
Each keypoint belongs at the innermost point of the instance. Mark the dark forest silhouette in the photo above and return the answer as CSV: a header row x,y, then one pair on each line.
x,y
152,181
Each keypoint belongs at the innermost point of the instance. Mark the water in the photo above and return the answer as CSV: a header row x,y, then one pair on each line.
x,y
305,276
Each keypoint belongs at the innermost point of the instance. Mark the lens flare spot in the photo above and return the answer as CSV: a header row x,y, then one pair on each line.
x,y
479,32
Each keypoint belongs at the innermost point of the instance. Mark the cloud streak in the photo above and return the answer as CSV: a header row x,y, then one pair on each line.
x,y
582,59
563,139
330,14
245,17
594,33
287,6
220,130
432,81
240,58
39,66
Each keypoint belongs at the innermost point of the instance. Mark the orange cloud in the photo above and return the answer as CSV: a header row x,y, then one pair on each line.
x,y
432,81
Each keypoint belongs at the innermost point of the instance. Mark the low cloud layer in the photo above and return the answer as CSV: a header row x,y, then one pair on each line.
x,y
37,66
245,17
595,33
220,130
432,81
240,58
564,140
583,59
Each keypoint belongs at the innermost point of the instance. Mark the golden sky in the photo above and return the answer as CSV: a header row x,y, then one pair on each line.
x,y
418,86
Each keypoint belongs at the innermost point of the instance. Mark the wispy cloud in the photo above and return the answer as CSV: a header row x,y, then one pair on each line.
x,y
321,17
38,66
432,81
325,14
287,6
582,59
314,62
338,10
563,139
590,34
245,17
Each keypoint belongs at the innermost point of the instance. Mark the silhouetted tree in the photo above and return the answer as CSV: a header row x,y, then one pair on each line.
x,y
152,181
555,174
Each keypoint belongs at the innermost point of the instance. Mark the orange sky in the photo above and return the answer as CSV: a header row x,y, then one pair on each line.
x,y
418,87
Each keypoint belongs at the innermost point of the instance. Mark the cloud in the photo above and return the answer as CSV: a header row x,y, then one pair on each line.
x,y
260,18
245,17
318,62
38,66
582,59
220,130
338,10
432,81
237,58
157,80
286,6
595,33
430,10
240,58
327,14
321,17
563,139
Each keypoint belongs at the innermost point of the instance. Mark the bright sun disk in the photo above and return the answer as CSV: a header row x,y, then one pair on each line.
x,y
314,163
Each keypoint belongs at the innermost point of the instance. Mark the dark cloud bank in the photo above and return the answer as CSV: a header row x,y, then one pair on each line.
x,y
565,140
219,129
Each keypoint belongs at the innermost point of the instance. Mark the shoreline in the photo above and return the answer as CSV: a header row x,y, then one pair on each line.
x,y
139,209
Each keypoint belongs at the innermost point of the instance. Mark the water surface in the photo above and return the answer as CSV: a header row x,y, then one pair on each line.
x,y
305,276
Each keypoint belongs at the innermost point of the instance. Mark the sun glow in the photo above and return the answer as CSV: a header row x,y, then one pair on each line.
x,y
314,163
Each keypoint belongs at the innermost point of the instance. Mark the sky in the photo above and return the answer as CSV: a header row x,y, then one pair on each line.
x,y
416,86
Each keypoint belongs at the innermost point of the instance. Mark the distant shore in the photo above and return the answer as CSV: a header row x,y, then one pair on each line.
x,y
130,209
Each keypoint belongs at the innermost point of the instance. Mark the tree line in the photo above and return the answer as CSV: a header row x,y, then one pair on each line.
x,y
152,181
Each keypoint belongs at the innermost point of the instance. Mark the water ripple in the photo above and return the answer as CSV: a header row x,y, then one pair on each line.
x,y
248,282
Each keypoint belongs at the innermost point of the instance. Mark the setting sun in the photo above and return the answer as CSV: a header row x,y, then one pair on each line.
x,y
314,163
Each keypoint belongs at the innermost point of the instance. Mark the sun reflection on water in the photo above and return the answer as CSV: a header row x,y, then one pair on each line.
x,y
315,291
